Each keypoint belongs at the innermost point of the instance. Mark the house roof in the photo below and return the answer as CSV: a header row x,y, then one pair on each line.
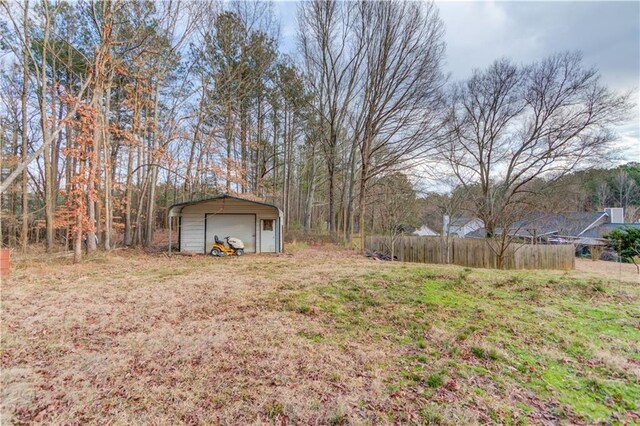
x,y
424,230
461,221
569,224
572,224
606,228
216,197
478,233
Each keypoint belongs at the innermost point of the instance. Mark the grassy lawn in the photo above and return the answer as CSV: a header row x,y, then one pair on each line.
x,y
317,336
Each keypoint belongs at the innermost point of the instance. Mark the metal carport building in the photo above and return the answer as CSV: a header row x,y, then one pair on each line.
x,y
257,224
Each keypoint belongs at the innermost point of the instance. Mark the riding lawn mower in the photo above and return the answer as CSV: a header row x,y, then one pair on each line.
x,y
234,246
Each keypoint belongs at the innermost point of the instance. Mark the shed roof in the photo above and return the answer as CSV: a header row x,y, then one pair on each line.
x,y
217,197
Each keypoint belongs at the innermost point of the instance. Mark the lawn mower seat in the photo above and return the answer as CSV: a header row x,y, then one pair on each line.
x,y
215,237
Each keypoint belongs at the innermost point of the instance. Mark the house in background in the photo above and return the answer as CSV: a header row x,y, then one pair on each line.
x,y
579,228
425,231
460,226
595,235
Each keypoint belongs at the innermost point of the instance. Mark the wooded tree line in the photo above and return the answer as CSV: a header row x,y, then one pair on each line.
x,y
114,110
598,188
589,190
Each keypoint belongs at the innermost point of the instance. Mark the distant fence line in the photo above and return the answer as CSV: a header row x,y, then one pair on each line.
x,y
475,253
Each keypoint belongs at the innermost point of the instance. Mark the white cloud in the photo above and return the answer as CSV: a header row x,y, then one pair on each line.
x,y
477,33
606,32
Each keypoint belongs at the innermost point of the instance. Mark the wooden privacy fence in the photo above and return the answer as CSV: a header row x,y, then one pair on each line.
x,y
475,253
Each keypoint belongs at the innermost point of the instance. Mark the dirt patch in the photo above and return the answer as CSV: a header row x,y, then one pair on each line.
x,y
608,270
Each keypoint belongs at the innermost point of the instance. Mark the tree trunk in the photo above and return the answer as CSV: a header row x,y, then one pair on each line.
x,y
350,197
128,198
135,122
77,239
310,192
362,210
25,141
94,167
108,213
13,207
285,164
188,182
153,171
332,181
243,147
229,139
257,186
46,134
364,176
137,237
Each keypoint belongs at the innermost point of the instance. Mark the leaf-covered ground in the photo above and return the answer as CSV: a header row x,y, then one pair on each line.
x,y
320,336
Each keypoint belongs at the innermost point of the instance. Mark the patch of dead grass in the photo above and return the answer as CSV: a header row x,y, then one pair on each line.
x,y
315,336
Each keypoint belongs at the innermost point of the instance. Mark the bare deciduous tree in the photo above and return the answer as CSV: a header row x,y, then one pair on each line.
x,y
510,124
111,111
401,94
396,207
332,52
625,188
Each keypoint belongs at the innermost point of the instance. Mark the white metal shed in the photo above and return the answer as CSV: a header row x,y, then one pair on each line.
x,y
257,224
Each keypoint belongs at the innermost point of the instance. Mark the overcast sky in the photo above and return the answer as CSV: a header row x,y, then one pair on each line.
x,y
477,33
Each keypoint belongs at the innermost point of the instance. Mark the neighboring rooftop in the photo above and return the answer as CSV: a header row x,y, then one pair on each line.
x,y
607,228
461,221
565,224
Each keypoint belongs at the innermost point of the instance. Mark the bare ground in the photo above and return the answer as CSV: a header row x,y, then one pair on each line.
x,y
608,270
140,339
132,338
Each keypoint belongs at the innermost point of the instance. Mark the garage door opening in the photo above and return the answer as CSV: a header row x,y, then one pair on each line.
x,y
241,226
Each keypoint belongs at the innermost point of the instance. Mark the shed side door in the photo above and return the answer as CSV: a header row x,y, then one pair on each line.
x,y
267,235
241,226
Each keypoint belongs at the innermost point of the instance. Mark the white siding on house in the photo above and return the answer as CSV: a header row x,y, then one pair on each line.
x,y
192,222
467,228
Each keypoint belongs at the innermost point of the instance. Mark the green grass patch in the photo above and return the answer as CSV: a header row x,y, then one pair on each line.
x,y
311,335
540,333
434,381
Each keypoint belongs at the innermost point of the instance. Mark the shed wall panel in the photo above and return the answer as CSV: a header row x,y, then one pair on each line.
x,y
192,233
